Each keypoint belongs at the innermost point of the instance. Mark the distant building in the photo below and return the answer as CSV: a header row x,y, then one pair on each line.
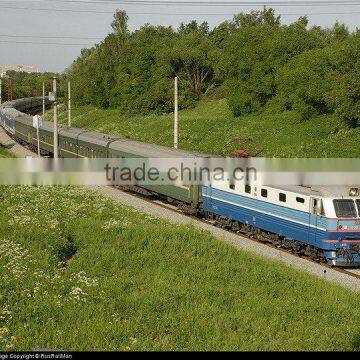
x,y
18,68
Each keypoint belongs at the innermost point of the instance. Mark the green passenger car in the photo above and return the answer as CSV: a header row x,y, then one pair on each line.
x,y
80,143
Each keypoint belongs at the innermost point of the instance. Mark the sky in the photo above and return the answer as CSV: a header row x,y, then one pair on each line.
x,y
62,34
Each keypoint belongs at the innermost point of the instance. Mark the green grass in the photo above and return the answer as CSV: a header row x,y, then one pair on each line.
x,y
4,153
151,287
210,126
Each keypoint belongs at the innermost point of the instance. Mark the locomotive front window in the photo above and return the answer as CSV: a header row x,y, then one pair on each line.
x,y
345,208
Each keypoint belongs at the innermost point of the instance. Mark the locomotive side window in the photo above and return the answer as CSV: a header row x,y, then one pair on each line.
x,y
282,197
345,208
264,193
300,200
317,207
248,189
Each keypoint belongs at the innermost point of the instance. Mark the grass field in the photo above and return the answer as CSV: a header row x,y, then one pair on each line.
x,y
78,272
210,126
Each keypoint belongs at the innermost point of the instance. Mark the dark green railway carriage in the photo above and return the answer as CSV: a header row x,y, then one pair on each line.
x,y
93,144
27,133
74,143
126,147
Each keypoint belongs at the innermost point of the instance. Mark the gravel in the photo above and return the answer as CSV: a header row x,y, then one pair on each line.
x,y
13,147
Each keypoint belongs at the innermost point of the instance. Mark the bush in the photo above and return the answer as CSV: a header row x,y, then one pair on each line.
x,y
241,100
323,81
65,248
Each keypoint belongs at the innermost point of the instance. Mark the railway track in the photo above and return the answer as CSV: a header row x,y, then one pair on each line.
x,y
353,273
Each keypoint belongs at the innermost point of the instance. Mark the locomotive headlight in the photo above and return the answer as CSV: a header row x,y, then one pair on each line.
x,y
354,192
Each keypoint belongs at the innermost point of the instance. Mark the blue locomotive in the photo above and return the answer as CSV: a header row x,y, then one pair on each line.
x,y
321,222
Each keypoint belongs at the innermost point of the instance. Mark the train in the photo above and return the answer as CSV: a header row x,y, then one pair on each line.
x,y
319,222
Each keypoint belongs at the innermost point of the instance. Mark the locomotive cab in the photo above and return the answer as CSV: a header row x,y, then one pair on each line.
x,y
343,229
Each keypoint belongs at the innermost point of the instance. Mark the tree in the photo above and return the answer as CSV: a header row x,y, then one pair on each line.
x,y
345,93
255,53
253,60
120,22
303,84
324,81
192,58
255,18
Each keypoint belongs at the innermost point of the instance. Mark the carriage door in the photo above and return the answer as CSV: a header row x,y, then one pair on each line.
x,y
315,212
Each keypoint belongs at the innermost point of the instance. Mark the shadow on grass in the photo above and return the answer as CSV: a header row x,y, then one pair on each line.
x,y
356,342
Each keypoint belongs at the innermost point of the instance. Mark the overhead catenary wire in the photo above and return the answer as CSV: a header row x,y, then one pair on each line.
x,y
216,3
42,43
51,37
172,13
211,3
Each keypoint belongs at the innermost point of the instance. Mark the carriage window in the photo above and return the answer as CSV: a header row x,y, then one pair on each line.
x,y
345,208
282,197
300,200
248,189
264,193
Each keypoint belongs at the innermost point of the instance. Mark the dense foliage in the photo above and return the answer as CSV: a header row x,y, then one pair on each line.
x,y
324,81
134,71
253,60
27,85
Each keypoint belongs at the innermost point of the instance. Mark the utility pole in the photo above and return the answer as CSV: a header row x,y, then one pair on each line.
x,y
43,100
176,114
69,103
10,90
38,120
56,136
38,139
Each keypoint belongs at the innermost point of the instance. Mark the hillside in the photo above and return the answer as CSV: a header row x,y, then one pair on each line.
x,y
154,287
255,60
209,126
